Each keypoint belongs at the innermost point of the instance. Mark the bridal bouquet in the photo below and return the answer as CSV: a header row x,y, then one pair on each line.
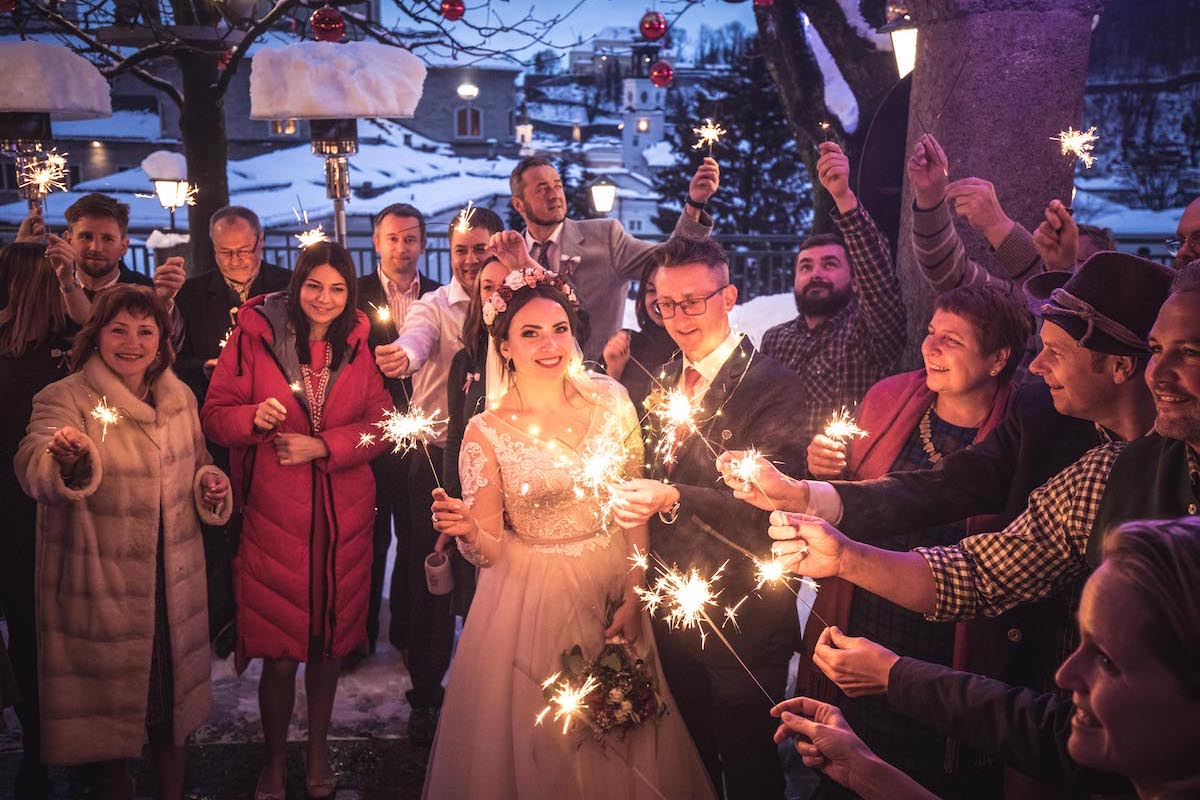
x,y
612,693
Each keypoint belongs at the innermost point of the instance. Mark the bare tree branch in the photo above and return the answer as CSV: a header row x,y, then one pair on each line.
x,y
252,35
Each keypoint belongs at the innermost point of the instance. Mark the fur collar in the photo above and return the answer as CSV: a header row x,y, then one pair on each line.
x,y
170,393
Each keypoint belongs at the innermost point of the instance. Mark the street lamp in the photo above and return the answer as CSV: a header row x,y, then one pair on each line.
x,y
904,37
168,173
173,194
467,91
604,195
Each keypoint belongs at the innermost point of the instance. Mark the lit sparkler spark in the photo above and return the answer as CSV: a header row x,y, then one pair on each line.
x,y
745,468
462,223
769,572
382,313
825,126
365,440
684,596
46,175
570,700
639,559
409,430
1078,144
842,428
106,415
710,133
311,236
296,387
678,417
225,339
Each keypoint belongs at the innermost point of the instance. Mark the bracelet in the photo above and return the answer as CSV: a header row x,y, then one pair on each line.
x,y
694,204
669,516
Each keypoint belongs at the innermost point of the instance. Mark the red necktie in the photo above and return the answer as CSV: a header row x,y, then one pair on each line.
x,y
691,376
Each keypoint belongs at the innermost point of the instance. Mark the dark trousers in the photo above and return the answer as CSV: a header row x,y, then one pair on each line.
x,y
18,549
727,715
430,620
391,512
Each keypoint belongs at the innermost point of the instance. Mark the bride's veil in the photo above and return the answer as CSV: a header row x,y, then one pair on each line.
x,y
499,380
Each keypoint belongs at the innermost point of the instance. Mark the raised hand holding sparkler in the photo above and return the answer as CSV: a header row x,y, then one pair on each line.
x,y
704,184
928,172
1057,238
808,546
770,490
67,447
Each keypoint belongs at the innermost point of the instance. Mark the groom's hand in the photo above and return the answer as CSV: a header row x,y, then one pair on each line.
x,y
640,499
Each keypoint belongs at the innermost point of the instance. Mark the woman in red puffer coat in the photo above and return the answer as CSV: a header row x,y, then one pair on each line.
x,y
293,394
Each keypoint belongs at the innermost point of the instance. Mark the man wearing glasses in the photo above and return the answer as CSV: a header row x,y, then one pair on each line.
x,y
740,399
850,332
1186,244
209,304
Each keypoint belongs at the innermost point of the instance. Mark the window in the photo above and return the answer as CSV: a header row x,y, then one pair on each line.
x,y
283,127
644,96
468,123
643,125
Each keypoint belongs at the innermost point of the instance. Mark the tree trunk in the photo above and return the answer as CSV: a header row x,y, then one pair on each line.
x,y
202,123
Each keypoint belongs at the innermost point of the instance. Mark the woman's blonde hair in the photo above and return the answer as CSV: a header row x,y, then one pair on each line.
x,y
35,306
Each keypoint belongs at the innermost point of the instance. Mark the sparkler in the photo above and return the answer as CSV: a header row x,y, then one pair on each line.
x,y
842,428
365,440
745,469
106,415
296,387
412,429
462,223
570,700
225,339
382,313
309,236
825,128
38,177
1078,144
678,417
710,133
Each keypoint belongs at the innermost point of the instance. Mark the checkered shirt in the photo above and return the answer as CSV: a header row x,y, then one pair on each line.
x,y
1040,552
843,357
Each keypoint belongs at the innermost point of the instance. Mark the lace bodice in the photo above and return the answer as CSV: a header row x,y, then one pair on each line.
x,y
549,502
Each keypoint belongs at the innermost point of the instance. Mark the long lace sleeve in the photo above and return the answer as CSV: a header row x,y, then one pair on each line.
x,y
482,492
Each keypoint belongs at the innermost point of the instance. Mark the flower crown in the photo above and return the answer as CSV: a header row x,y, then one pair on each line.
x,y
526,278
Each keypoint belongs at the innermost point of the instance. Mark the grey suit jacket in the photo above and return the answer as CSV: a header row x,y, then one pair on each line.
x,y
609,257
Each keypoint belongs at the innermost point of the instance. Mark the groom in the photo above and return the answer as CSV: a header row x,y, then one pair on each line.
x,y
745,400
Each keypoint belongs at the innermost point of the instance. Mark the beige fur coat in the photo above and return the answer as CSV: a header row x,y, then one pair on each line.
x,y
97,548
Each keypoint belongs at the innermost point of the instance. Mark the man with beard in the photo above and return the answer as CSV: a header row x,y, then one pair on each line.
x,y
98,233
850,331
597,256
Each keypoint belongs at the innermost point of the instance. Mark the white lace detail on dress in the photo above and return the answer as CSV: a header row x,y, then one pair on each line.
x,y
471,461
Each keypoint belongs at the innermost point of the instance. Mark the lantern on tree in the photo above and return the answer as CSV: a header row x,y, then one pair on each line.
x,y
661,74
653,25
453,10
328,24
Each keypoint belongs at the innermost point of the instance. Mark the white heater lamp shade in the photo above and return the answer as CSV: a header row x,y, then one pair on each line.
x,y
904,47
467,91
604,195
41,78
172,193
324,80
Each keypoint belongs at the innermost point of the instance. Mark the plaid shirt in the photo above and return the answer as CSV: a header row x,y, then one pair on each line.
x,y
843,357
1042,550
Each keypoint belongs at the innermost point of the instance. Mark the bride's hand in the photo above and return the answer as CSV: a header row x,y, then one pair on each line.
x,y
627,622
451,516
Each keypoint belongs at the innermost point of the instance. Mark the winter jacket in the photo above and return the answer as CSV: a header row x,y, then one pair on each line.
x,y
272,585
96,564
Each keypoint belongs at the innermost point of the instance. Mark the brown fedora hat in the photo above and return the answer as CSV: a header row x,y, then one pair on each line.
x,y
1108,305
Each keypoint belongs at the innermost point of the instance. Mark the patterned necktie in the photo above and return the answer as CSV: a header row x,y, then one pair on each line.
x,y
543,256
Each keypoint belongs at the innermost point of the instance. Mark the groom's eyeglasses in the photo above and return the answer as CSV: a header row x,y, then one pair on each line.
x,y
692,307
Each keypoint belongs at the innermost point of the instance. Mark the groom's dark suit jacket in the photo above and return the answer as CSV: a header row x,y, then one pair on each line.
x,y
754,402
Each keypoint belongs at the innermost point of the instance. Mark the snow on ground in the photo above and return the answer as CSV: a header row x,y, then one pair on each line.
x,y
49,78
325,80
1121,219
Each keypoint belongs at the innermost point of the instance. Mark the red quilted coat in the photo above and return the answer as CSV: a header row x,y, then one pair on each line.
x,y
272,584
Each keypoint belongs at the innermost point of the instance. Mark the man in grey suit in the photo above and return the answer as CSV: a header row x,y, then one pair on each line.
x,y
597,255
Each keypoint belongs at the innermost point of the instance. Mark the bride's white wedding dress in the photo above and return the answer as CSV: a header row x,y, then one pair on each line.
x,y
546,591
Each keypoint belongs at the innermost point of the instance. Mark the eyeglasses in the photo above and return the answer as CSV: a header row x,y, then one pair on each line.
x,y
692,307
239,254
1192,241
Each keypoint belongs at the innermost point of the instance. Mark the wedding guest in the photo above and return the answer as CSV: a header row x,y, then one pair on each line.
x,y
1185,247
975,340
850,330
293,395
41,309
597,256
740,399
424,349
385,296
1131,715
635,358
208,304
122,628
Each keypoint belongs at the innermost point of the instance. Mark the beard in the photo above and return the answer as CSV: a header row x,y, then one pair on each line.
x,y
811,305
96,269
552,218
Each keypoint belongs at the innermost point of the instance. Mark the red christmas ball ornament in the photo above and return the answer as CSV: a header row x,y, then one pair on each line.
x,y
453,10
661,74
7,6
328,24
764,3
653,25
223,59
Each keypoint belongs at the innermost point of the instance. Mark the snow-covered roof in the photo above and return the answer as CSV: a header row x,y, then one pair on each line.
x,y
326,80
139,125
45,78
660,155
424,172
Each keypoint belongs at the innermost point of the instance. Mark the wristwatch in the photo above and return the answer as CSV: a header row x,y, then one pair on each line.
x,y
694,204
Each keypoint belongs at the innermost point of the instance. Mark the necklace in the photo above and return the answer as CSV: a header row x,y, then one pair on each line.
x,y
926,431
315,395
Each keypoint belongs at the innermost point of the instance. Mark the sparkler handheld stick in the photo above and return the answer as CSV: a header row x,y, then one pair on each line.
x,y
710,133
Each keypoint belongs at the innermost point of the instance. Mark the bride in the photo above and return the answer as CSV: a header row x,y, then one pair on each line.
x,y
552,563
